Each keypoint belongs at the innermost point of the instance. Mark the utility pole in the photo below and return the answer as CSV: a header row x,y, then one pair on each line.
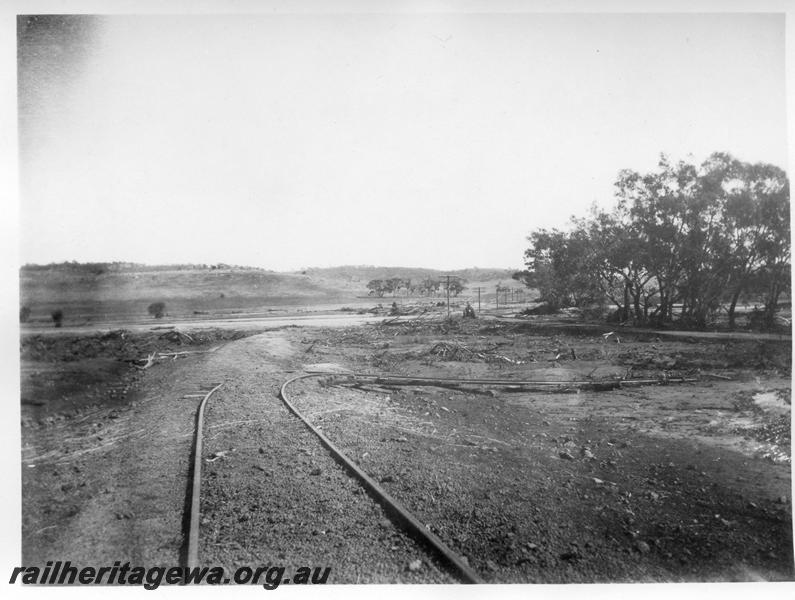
x,y
498,296
448,296
478,289
447,279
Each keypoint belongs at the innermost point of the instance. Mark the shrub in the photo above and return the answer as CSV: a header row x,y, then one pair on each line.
x,y
157,309
24,314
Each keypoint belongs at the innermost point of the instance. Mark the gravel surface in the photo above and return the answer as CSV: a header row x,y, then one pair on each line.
x,y
111,483
272,495
660,483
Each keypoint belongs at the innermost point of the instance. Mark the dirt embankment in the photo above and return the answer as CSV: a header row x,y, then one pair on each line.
x,y
105,445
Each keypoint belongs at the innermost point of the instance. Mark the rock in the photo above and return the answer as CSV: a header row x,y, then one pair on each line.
x,y
387,479
315,471
643,547
402,439
782,499
587,454
262,450
491,565
415,565
572,555
566,456
385,523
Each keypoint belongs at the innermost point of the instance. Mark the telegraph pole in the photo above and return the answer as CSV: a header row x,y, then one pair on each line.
x,y
478,290
448,296
446,279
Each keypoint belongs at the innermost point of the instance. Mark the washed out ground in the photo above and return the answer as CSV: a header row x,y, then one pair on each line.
x,y
678,482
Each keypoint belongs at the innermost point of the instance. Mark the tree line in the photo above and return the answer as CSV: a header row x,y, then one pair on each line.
x,y
682,242
410,287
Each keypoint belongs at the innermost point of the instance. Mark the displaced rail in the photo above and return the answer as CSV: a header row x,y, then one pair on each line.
x,y
395,510
544,384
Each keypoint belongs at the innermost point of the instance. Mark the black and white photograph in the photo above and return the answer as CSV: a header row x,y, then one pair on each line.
x,y
311,294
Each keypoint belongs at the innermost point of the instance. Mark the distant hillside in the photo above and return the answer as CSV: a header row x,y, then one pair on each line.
x,y
357,277
109,283
129,287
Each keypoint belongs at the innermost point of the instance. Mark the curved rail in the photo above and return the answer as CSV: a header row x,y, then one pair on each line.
x,y
392,506
193,530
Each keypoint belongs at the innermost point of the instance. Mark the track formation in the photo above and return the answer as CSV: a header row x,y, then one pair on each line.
x,y
400,516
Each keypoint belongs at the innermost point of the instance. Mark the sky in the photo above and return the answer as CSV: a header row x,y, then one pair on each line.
x,y
288,141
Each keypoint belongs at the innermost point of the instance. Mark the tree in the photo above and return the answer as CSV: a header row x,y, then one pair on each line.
x,y
710,230
758,210
376,287
430,286
456,286
57,317
695,236
157,309
24,314
556,262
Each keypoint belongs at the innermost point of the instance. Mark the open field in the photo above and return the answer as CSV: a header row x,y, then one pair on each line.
x,y
104,294
659,482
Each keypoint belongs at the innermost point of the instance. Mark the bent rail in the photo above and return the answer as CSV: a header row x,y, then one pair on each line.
x,y
394,509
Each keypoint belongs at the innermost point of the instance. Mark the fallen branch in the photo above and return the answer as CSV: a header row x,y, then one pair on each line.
x,y
150,360
724,377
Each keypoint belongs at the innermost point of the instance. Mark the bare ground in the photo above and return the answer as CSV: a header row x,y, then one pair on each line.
x,y
657,483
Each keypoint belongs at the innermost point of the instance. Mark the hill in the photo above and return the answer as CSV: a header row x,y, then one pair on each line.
x,y
357,277
108,289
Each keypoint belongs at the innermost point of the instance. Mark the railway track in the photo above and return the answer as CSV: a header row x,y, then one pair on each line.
x,y
397,512
400,516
